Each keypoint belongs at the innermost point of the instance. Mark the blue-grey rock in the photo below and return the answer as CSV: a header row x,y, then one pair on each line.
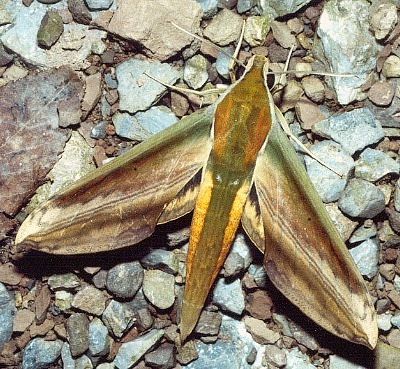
x,y
105,107
99,4
275,356
99,130
245,5
131,352
67,281
136,90
280,7
118,318
395,320
159,288
99,340
106,366
239,258
7,312
397,196
209,323
210,8
366,257
161,259
195,72
127,126
354,130
156,119
374,165
229,296
110,80
234,349
259,275
90,299
361,199
354,55
144,319
78,333
66,357
222,63
328,184
40,354
297,360
396,283
125,279
363,233
161,358
5,56
339,362
384,322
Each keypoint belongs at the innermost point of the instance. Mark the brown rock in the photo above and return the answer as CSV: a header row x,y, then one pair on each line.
x,y
388,271
42,303
259,305
308,113
9,274
79,11
381,93
394,338
41,329
22,320
260,332
92,92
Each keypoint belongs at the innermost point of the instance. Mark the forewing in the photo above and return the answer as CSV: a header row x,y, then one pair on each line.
x,y
304,255
121,203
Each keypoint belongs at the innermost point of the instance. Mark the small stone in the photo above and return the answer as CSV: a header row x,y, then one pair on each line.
x,y
313,88
41,329
187,353
275,356
393,338
63,300
159,288
308,113
40,353
124,280
259,305
7,312
79,11
283,35
381,93
239,258
78,333
42,303
384,322
391,67
99,4
90,300
68,281
131,352
366,257
9,274
260,332
92,92
363,233
383,18
303,337
394,219
291,95
256,30
161,259
118,318
156,119
99,340
195,72
161,358
395,320
361,199
50,29
382,306
209,323
99,130
229,296
22,320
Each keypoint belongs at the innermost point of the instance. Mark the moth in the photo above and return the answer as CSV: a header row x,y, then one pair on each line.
x,y
230,162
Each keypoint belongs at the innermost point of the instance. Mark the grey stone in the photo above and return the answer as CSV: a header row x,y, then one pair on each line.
x,y
156,119
297,360
374,165
159,288
256,30
79,11
229,296
99,130
161,358
363,233
354,130
67,281
210,8
209,323
161,259
275,356
124,280
110,80
118,318
327,183
99,340
136,90
7,312
366,257
239,258
280,7
131,352
339,362
90,300
195,72
222,63
78,333
5,57
127,126
384,322
395,320
362,199
39,353
99,4
245,5
354,55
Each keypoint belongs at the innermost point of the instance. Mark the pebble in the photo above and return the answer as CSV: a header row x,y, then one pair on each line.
x,y
63,300
259,305
396,320
99,340
5,57
159,288
78,333
366,257
195,72
393,338
80,13
308,113
356,54
291,95
219,33
124,280
361,199
363,233
118,318
239,257
387,271
9,273
131,352
339,362
209,323
256,30
137,91
68,281
383,19
127,126
302,336
295,359
92,92
260,332
161,358
229,296
161,259
381,93
373,165
328,184
210,8
391,67
275,356
384,322
99,4
354,130
283,35
50,29
313,88
40,353
156,119
343,224
222,63
22,320
90,300
7,312
99,130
